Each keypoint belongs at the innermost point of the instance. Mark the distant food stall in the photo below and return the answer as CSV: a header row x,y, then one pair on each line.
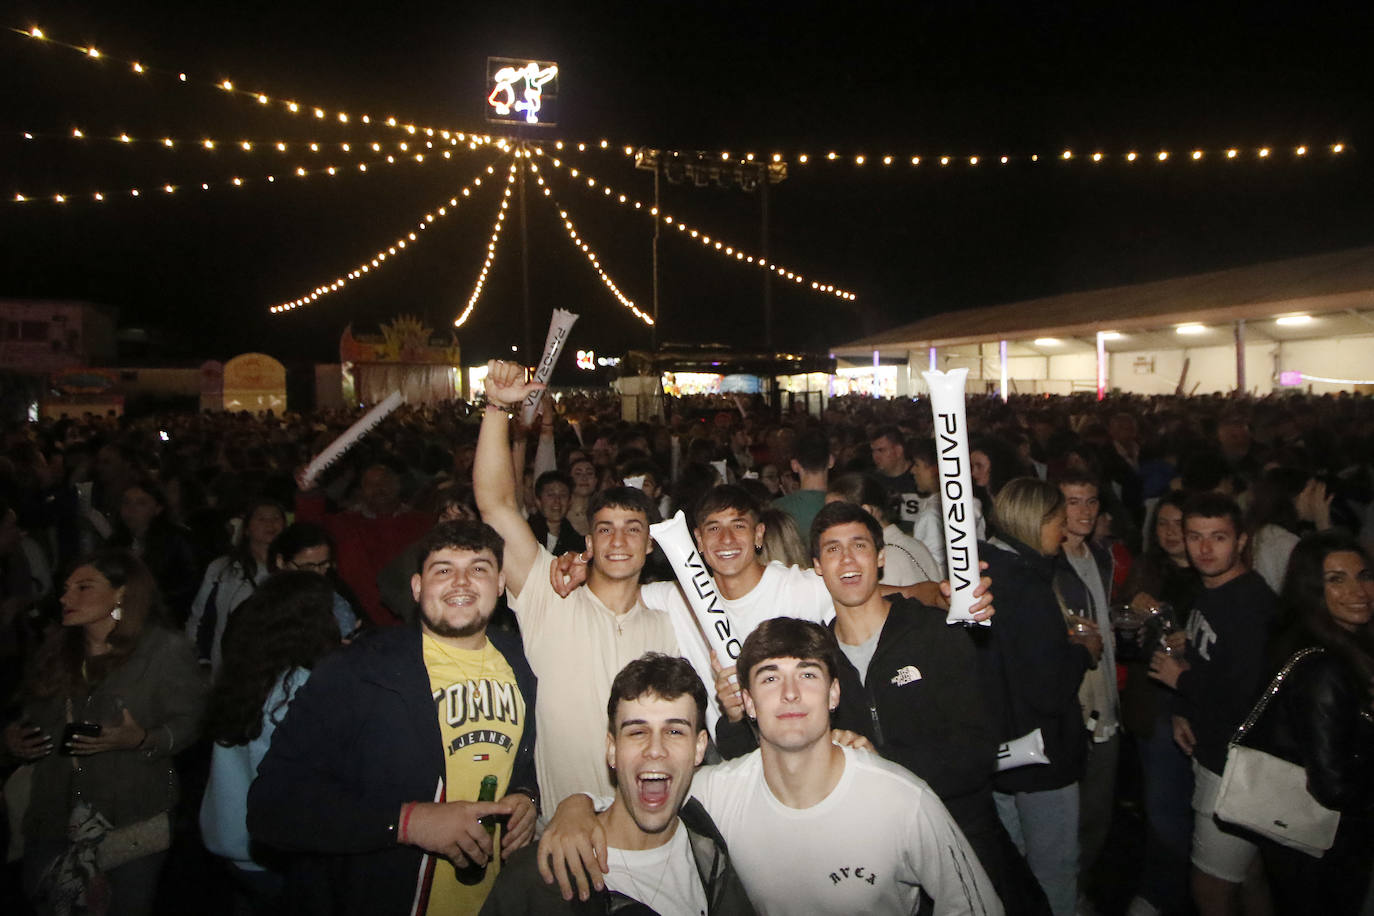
x,y
254,382
405,356
782,378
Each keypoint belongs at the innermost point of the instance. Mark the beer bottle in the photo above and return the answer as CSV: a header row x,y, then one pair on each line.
x,y
473,873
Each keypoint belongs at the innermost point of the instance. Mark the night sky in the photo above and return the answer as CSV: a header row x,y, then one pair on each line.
x,y
929,79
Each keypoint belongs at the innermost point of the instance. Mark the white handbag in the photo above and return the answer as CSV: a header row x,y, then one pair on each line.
x,y
1268,795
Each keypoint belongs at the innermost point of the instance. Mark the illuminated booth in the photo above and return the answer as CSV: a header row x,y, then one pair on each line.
x,y
783,379
406,357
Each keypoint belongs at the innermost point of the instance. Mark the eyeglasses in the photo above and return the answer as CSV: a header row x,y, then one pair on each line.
x,y
321,567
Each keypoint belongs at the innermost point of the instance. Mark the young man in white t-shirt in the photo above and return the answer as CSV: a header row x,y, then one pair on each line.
x,y
813,827
661,852
575,643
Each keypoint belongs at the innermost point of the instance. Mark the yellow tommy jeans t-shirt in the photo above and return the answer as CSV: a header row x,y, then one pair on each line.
x,y
481,718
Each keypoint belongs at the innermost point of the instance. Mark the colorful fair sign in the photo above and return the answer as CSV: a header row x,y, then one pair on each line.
x,y
517,90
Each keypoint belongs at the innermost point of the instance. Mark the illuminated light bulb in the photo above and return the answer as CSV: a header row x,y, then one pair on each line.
x,y
300,172
429,131
376,147
887,160
1197,154
1004,160
182,77
802,158
28,136
133,192
391,159
1291,320
35,32
1035,157
944,160
292,107
271,179
124,138
390,122
400,243
76,132
915,160
858,160
227,86
1338,148
748,157
168,188
330,170
419,157
238,182
345,147
262,99
1187,329
718,246
247,147
410,128
319,112
447,154
832,155
314,147
725,156
137,67
204,186
20,198
1067,154
465,192
1097,157
168,142
1301,151
92,52
343,118
209,144
693,233
59,198
972,160
1231,154
604,144
1163,155
99,196
1264,153
1130,157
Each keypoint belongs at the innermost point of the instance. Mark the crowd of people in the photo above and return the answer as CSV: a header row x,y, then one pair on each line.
x,y
456,675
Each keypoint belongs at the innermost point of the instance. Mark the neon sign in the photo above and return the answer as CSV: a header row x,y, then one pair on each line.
x,y
518,89
586,359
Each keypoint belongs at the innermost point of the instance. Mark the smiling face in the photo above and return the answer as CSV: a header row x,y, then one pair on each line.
x,y
849,563
618,543
791,700
1349,586
654,748
1082,505
457,592
88,597
553,502
727,539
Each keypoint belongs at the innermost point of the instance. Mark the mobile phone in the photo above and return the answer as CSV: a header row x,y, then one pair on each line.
x,y
88,729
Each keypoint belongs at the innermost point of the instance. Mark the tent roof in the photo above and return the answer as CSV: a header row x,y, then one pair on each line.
x,y
1337,281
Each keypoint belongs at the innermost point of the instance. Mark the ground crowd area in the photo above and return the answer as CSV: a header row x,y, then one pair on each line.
x,y
182,490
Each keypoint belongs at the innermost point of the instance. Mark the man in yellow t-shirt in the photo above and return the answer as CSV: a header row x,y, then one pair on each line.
x,y
377,773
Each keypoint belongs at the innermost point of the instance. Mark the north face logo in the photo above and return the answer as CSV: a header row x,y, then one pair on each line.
x,y
907,674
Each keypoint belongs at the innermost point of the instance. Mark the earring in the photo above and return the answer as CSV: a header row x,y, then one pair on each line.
x,y
117,613
758,549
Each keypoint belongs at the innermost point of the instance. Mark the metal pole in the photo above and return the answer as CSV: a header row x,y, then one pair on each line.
x,y
658,225
767,274
527,355
1240,356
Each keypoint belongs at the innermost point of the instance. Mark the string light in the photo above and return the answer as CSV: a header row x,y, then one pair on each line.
x,y
491,247
706,241
431,216
592,258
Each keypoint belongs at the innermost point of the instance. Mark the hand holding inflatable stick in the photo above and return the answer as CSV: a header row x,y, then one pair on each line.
x,y
956,490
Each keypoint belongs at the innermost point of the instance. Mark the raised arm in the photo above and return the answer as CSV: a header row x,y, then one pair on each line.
x,y
493,477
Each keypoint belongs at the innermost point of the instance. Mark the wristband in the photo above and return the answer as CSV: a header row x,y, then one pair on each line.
x,y
402,832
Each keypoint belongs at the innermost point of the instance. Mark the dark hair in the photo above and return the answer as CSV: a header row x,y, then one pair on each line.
x,y
843,513
548,477
861,490
1213,505
788,637
923,449
892,434
622,497
294,538
1303,600
61,667
1005,464
287,623
242,553
459,535
659,675
1072,477
812,452
726,496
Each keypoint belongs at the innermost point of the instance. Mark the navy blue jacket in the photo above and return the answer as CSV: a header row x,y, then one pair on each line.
x,y
361,739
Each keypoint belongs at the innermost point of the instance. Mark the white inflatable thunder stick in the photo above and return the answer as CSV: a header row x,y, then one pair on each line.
x,y
1024,751
698,585
335,450
956,490
559,327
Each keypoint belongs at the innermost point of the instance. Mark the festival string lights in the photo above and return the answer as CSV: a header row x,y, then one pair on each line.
x,y
380,258
727,251
273,102
235,182
491,245
581,245
279,145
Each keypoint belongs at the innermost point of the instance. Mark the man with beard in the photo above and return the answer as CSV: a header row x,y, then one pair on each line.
x,y
662,853
373,777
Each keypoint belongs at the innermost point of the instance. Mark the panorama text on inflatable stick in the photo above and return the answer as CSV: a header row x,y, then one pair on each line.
x,y
335,450
560,325
695,579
